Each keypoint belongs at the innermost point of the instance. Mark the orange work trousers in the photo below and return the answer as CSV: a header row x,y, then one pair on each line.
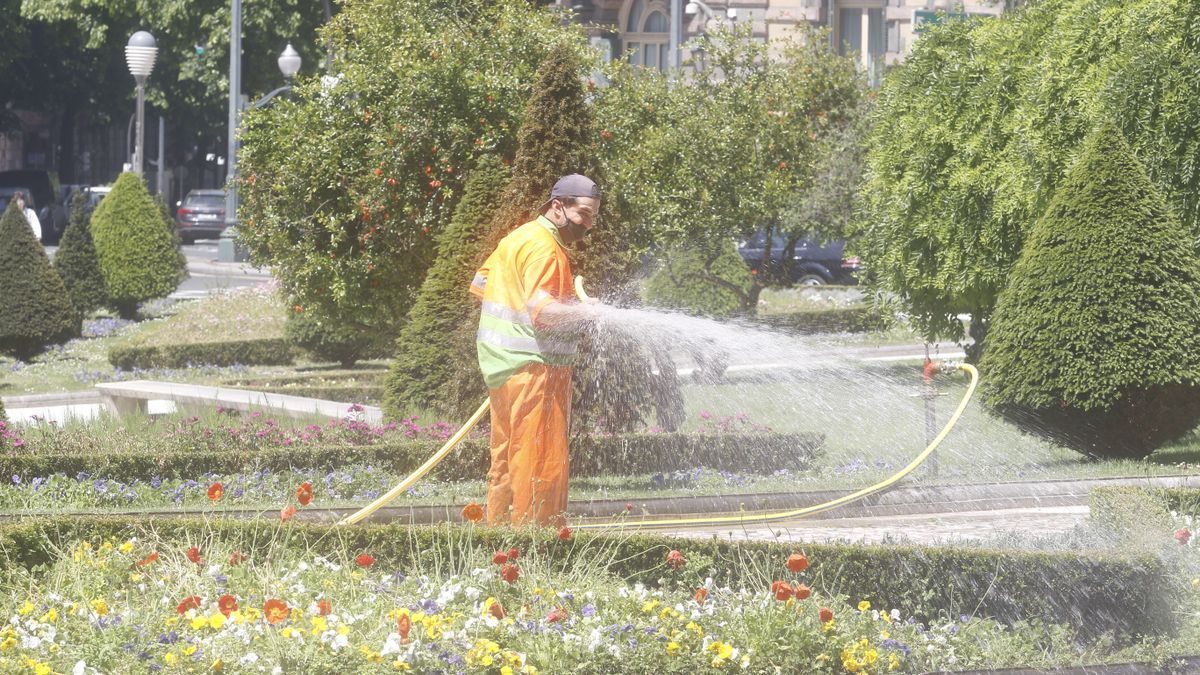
x,y
528,478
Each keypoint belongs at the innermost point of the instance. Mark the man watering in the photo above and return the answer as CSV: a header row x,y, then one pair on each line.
x,y
529,326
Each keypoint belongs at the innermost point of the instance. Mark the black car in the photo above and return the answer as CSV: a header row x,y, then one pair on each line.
x,y
812,264
201,215
42,188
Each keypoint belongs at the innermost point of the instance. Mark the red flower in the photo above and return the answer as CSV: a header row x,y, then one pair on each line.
x,y
782,590
364,560
797,563
227,604
675,560
802,592
700,595
304,493
499,557
378,172
404,624
497,610
1183,535
286,513
512,554
148,559
190,602
324,607
237,557
276,610
556,615
826,615
193,554
435,183
509,573
564,533
216,491
628,507
473,512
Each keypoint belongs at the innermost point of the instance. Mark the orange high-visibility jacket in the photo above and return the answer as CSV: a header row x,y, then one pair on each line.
x,y
527,271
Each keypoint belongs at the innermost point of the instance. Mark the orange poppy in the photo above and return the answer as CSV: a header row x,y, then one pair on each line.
x,y
473,512
496,609
227,604
404,625
802,592
364,560
193,554
512,554
276,610
700,595
499,558
556,615
216,491
304,493
675,560
324,607
826,615
797,563
286,513
148,559
782,590
237,557
190,602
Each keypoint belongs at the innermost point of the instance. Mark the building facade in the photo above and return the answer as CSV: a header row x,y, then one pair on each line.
x,y
879,32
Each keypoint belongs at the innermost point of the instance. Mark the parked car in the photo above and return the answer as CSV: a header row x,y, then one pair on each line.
x,y
812,264
42,188
201,215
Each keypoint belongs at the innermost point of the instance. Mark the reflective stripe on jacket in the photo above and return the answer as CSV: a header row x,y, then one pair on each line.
x,y
527,271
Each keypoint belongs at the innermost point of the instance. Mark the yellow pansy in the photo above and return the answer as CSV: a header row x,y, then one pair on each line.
x,y
864,606
100,606
135,577
218,666
319,624
893,662
199,622
650,606
26,608
217,621
343,629
401,665
171,658
695,628
188,650
127,547
673,648
506,670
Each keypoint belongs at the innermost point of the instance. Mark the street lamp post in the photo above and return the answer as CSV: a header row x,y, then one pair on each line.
x,y
140,53
710,15
289,64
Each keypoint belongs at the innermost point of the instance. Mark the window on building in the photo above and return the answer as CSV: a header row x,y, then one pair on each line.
x,y
647,33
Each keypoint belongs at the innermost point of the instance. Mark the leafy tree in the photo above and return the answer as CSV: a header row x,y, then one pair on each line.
x,y
723,154
435,367
1094,341
974,132
37,310
138,256
703,281
77,264
364,167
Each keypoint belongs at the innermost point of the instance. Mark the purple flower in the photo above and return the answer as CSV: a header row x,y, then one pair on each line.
x,y
588,611
16,479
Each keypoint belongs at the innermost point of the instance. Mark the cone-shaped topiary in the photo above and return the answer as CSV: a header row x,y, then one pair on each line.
x,y
1094,343
76,261
37,310
435,367
557,138
137,254
701,281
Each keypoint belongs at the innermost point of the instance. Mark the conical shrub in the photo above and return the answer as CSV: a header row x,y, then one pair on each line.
x,y
1095,343
435,366
557,138
138,256
76,262
37,310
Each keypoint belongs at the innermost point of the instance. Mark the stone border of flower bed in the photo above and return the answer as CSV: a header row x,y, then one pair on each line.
x,y
1125,596
590,456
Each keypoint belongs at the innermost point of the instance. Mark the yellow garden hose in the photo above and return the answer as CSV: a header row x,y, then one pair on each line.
x,y
742,518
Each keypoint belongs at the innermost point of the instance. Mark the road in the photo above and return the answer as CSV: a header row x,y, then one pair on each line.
x,y
208,275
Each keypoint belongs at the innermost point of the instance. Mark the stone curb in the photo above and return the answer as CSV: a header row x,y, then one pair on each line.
x,y
1183,664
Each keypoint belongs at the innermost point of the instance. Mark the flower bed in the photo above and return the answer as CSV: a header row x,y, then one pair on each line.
x,y
193,447
110,595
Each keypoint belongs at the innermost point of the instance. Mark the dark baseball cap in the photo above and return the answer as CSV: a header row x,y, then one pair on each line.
x,y
575,185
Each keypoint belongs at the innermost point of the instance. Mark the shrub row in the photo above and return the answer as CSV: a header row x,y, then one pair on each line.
x,y
593,456
269,352
1108,594
1127,509
369,394
856,319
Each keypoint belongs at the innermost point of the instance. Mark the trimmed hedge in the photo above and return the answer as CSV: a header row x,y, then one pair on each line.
x,y
269,352
594,456
328,339
1128,509
1109,594
368,394
857,319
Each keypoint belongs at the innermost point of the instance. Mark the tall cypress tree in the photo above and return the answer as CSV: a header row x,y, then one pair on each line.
x,y
435,364
1095,341
614,385
37,310
77,264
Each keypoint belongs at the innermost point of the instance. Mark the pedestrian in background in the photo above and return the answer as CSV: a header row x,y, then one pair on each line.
x,y
30,214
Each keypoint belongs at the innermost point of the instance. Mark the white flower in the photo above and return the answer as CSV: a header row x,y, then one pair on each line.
x,y
248,659
214,570
392,646
472,593
339,642
303,566
80,667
